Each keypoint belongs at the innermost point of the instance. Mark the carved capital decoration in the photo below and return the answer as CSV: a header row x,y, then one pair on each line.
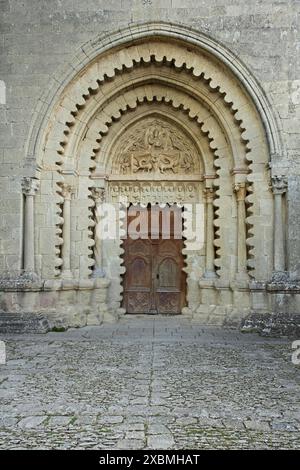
x,y
156,147
30,186
209,194
279,184
240,190
66,190
98,194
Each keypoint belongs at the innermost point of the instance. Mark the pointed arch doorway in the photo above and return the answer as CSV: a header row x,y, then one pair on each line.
x,y
154,281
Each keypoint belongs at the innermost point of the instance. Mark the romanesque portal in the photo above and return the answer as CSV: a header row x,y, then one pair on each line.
x,y
154,280
164,118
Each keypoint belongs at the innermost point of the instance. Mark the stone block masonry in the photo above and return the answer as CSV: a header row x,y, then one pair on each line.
x,y
57,130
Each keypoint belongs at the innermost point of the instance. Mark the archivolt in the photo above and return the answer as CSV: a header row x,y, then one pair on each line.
x,y
193,94
106,143
130,100
171,72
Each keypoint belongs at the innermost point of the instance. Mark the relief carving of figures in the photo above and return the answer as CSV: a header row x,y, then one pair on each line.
x,y
156,147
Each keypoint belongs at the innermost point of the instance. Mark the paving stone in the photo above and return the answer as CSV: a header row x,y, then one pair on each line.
x,y
215,400
135,435
257,425
31,422
160,442
110,419
130,444
157,429
186,420
59,421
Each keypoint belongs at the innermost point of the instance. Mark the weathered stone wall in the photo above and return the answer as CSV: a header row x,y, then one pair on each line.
x,y
38,38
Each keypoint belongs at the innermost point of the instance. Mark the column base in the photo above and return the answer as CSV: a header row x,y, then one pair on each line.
x,y
30,276
209,275
67,274
280,276
98,272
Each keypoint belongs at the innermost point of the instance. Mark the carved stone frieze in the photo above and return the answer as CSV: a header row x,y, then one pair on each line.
x,y
152,192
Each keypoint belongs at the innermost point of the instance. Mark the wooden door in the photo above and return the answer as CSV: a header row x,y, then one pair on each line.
x,y
154,281
170,279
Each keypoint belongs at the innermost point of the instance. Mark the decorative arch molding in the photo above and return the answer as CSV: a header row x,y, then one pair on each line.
x,y
78,96
120,80
197,95
211,133
104,151
106,42
188,81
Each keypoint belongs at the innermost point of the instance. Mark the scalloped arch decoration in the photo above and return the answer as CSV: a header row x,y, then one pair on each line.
x,y
210,130
190,38
80,110
88,85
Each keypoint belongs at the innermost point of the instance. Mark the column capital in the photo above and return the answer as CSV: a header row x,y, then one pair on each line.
x,y
66,190
98,194
279,184
240,190
209,194
30,186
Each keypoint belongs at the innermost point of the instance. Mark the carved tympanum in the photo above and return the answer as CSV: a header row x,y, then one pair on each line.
x,y
155,146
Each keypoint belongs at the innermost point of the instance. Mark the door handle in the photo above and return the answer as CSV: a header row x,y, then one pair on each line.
x,y
157,276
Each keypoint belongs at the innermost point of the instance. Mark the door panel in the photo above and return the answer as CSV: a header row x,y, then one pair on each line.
x,y
138,277
170,291
168,274
154,281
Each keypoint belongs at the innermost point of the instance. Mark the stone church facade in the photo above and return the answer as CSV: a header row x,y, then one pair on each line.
x,y
158,103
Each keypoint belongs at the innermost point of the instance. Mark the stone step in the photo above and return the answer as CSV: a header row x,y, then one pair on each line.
x,y
11,323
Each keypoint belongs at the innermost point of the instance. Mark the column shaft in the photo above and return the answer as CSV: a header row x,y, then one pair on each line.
x,y
240,190
99,197
66,233
29,187
29,234
209,245
279,186
279,255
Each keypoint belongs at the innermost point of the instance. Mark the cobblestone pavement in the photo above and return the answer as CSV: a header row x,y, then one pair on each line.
x,y
152,383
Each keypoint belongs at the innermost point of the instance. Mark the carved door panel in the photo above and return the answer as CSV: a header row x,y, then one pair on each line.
x,y
154,281
138,277
171,280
